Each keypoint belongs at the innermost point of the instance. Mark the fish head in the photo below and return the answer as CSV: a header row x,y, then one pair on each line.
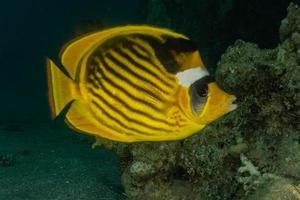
x,y
208,101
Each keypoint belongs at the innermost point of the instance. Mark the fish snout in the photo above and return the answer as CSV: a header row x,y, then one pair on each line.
x,y
218,104
233,104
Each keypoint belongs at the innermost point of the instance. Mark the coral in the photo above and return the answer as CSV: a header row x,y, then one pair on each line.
x,y
250,177
250,151
277,188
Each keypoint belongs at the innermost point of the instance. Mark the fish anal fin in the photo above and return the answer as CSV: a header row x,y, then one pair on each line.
x,y
80,119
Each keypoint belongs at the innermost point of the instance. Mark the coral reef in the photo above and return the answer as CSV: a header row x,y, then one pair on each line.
x,y
277,188
251,153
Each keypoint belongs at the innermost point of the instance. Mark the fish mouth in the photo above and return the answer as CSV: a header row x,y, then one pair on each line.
x,y
233,104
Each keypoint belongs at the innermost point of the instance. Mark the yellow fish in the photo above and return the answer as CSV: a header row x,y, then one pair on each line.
x,y
135,83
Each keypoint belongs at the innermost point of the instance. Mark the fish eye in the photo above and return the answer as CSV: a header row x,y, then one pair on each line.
x,y
201,88
198,93
203,91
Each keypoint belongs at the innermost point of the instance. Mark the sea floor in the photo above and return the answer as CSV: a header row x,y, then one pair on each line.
x,y
40,162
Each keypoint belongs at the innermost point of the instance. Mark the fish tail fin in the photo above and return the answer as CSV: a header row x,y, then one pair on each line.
x,y
61,89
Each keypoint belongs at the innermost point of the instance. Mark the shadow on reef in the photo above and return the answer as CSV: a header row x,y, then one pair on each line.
x,y
251,153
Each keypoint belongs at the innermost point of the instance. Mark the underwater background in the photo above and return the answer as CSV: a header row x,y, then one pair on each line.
x,y
251,47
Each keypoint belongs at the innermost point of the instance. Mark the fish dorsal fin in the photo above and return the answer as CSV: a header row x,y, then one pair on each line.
x,y
73,52
174,51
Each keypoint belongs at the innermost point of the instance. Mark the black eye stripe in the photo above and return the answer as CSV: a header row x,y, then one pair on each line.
x,y
207,79
202,92
201,85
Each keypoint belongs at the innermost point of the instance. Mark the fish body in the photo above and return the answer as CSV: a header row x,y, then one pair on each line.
x,y
135,83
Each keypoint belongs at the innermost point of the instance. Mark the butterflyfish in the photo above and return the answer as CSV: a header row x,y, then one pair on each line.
x,y
135,83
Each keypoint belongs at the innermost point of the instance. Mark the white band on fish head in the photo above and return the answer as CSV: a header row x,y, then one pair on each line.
x,y
189,76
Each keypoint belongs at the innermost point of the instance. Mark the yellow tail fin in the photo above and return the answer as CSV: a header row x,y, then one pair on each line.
x,y
61,89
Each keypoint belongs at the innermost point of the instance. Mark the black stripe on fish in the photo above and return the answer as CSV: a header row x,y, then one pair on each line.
x,y
124,116
91,72
126,105
95,82
135,64
129,42
117,121
100,120
162,52
135,41
124,78
113,84
147,60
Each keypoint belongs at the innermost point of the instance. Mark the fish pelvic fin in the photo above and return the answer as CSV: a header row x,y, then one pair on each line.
x,y
61,89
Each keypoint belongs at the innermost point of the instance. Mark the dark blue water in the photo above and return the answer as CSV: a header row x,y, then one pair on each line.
x,y
49,163
32,30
